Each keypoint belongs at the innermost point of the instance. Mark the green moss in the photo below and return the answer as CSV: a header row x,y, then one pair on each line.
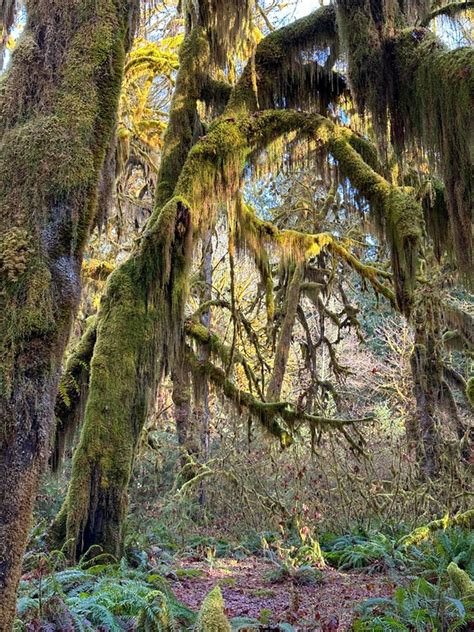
x,y
396,210
58,103
431,102
72,395
211,617
470,390
460,580
464,520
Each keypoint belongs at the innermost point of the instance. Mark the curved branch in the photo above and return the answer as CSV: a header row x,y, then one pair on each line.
x,y
449,10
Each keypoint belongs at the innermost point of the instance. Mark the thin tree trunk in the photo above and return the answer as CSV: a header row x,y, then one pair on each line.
x,y
202,408
427,384
58,105
284,341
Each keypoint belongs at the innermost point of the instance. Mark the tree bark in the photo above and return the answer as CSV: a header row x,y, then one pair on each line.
x,y
58,105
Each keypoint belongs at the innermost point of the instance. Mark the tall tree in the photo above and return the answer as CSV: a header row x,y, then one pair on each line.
x,y
58,105
141,325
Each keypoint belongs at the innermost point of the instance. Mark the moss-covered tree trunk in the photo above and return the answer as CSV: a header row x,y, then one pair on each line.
x,y
137,336
426,368
58,103
182,401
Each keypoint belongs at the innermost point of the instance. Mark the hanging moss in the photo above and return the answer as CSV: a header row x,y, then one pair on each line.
x,y
360,33
281,72
397,212
211,617
431,95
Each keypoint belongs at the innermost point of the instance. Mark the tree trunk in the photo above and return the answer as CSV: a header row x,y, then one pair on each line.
x,y
183,414
138,334
427,383
58,105
284,340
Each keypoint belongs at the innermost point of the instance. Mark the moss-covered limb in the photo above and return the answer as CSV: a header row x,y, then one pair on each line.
x,y
367,272
58,103
269,414
183,123
72,395
212,617
284,339
464,520
451,10
140,310
266,413
280,59
431,95
398,212
202,335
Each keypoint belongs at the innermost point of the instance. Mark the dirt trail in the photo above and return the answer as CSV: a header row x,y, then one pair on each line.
x,y
327,606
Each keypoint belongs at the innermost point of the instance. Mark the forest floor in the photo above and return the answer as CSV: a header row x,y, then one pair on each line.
x,y
327,605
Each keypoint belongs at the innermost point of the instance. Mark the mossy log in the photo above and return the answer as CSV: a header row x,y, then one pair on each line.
x,y
464,520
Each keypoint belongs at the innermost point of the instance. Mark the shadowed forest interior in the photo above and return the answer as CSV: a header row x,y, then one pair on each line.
x,y
236,315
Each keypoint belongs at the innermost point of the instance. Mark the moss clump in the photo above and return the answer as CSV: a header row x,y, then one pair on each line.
x,y
14,251
211,617
460,580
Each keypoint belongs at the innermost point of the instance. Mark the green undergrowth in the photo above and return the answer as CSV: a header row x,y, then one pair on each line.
x,y
97,594
433,578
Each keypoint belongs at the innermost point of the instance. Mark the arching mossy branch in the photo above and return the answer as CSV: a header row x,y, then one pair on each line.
x,y
270,414
281,72
202,335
